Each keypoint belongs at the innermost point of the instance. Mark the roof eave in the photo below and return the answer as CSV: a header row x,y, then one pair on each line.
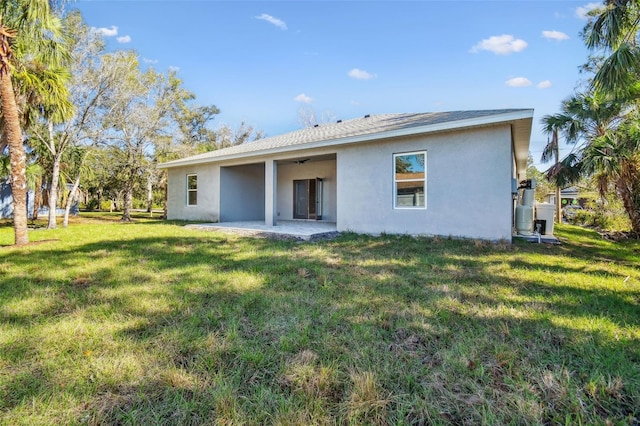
x,y
521,135
508,117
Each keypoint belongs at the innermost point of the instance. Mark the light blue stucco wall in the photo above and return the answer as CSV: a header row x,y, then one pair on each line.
x,y
208,207
287,173
468,188
242,193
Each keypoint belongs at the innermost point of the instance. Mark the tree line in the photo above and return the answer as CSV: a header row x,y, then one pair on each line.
x,y
601,120
75,114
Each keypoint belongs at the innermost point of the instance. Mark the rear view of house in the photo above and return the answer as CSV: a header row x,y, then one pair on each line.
x,y
444,173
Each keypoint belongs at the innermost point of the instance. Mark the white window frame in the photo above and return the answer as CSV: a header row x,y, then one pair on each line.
x,y
395,181
190,190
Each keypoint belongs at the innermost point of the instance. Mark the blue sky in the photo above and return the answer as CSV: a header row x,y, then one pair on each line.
x,y
260,61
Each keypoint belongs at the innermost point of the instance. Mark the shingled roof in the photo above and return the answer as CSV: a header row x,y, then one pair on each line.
x,y
363,129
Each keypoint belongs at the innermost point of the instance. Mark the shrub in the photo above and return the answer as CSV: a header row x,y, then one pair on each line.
x,y
609,215
92,205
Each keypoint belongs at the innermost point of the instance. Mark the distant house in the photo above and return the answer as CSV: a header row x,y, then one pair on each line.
x,y
445,173
568,197
6,201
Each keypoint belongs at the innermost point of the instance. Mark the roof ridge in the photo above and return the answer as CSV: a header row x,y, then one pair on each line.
x,y
350,128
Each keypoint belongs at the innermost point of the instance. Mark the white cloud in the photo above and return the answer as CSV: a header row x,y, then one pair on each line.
x,y
123,39
303,98
555,35
173,68
500,45
582,12
107,32
518,82
544,84
272,20
359,74
149,61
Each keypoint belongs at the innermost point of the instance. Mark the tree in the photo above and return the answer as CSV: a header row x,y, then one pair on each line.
x,y
99,183
612,32
77,168
614,159
33,171
30,33
225,136
308,117
194,134
584,117
543,186
557,174
91,80
603,122
138,116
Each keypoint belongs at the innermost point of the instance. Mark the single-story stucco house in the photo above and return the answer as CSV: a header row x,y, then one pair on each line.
x,y
443,173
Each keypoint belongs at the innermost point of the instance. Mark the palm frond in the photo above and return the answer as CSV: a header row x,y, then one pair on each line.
x,y
5,167
609,26
566,172
548,152
615,73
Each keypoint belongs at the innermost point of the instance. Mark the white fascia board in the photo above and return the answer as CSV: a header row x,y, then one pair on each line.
x,y
410,131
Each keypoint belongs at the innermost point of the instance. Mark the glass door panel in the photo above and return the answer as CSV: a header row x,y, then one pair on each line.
x,y
319,188
300,199
312,199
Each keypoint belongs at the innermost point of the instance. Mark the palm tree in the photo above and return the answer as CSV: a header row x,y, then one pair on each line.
x,y
552,124
30,33
584,117
612,32
33,176
614,155
614,158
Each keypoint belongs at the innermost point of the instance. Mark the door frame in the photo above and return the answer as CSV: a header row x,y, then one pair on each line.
x,y
314,189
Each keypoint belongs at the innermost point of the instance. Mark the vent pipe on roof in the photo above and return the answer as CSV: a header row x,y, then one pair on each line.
x,y
367,116
316,125
339,121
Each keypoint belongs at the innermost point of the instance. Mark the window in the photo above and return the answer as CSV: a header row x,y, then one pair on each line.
x,y
192,190
410,180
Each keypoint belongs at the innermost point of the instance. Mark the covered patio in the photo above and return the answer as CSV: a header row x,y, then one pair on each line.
x,y
286,229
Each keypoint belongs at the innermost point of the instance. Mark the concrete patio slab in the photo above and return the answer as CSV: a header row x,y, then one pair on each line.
x,y
289,229
544,239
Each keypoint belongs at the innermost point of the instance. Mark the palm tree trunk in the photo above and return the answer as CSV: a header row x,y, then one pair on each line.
x,y
556,153
17,158
630,195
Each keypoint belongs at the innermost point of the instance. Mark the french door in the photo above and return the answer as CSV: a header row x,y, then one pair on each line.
x,y
307,199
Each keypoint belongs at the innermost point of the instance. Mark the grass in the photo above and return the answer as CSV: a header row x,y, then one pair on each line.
x,y
151,323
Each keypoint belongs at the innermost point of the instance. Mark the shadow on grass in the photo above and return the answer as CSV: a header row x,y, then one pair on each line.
x,y
432,318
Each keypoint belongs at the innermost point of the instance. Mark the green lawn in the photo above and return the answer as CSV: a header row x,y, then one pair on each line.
x,y
151,323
